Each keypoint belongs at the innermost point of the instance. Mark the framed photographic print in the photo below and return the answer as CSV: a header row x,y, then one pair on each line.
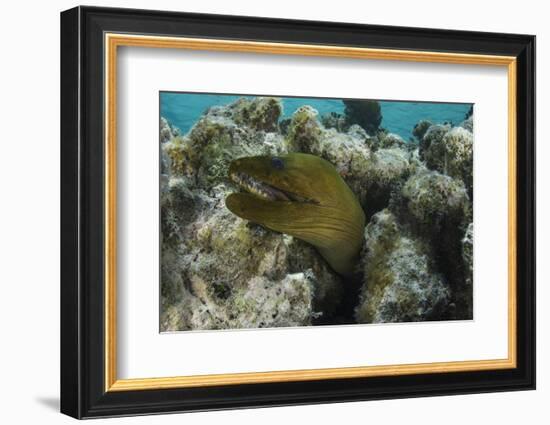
x,y
261,212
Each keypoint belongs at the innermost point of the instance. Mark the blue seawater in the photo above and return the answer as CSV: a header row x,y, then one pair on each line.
x,y
184,109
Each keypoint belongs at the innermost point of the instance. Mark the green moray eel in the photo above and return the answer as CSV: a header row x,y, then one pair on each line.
x,y
303,196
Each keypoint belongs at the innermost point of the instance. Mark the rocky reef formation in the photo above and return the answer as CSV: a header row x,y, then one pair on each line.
x,y
402,281
218,271
450,152
367,114
221,272
371,166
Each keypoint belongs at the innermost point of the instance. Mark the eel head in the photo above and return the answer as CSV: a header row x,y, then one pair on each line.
x,y
304,196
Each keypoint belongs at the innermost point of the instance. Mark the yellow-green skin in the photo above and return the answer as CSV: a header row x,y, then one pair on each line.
x,y
324,212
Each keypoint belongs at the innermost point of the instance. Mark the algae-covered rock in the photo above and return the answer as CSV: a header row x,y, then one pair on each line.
x,y
390,140
232,266
421,128
415,162
348,152
284,125
329,287
452,155
221,272
366,113
223,134
388,170
431,196
304,131
179,207
400,282
336,121
468,124
433,134
389,164
261,303
464,292
468,250
167,132
437,209
371,175
359,133
259,113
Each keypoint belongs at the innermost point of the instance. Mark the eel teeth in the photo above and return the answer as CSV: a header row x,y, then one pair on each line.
x,y
258,188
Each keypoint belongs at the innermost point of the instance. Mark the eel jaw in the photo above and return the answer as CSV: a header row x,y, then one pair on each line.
x,y
266,191
258,188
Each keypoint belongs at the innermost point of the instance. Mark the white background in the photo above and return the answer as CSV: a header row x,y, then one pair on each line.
x,y
193,353
29,228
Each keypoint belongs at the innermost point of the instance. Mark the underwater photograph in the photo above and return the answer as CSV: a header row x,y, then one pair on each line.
x,y
283,211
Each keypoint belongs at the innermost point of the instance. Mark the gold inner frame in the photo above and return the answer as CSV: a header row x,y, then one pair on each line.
x,y
113,41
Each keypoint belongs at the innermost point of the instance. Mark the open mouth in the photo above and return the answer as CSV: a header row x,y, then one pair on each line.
x,y
265,191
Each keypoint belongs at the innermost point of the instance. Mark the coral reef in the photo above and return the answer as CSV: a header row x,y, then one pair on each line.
x,y
432,197
390,140
437,208
260,113
420,129
221,272
468,251
464,289
167,132
216,139
451,154
468,124
369,168
366,113
401,283
433,134
336,121
210,280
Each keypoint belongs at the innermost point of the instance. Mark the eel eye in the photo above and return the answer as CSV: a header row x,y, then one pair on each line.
x,y
277,163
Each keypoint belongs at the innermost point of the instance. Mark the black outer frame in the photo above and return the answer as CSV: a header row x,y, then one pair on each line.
x,y
82,214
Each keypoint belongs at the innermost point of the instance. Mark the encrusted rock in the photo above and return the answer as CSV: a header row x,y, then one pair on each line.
x,y
166,131
259,113
304,131
210,280
437,208
216,139
336,121
468,124
388,170
434,133
209,258
221,272
463,290
431,196
452,155
370,175
260,303
420,129
400,283
359,133
243,290
468,251
366,113
390,140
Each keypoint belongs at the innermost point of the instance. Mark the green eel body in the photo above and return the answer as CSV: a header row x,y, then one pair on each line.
x,y
303,196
